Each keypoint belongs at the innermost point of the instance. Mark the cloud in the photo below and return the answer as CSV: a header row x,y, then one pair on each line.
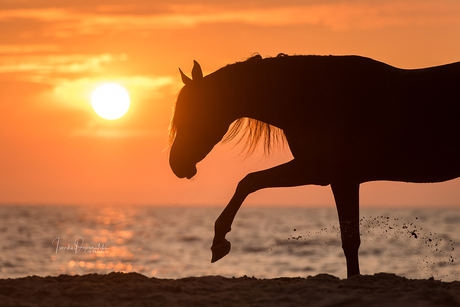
x,y
34,48
339,16
46,64
112,133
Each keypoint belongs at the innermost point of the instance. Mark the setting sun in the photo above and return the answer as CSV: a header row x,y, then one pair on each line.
x,y
110,101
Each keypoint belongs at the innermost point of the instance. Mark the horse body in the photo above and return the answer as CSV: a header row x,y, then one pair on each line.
x,y
347,120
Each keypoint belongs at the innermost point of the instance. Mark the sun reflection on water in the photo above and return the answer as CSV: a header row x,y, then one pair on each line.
x,y
112,230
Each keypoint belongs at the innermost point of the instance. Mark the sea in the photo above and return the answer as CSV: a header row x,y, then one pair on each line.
x,y
267,242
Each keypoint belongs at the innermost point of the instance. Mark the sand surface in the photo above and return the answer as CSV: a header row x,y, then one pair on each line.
x,y
133,289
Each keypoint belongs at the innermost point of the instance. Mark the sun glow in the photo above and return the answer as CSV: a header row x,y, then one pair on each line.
x,y
110,101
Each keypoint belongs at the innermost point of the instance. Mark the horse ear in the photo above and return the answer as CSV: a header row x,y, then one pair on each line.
x,y
197,73
185,79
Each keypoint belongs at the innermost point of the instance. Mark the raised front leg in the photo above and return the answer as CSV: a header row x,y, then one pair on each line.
x,y
346,196
290,174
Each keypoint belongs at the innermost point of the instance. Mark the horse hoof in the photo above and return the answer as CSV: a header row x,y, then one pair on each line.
x,y
220,250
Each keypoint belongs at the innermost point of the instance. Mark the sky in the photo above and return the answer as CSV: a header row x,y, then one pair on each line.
x,y
54,149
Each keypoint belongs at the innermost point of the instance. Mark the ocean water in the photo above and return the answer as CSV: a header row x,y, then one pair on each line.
x,y
174,242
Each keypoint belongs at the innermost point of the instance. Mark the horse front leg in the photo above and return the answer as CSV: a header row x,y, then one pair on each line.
x,y
290,174
223,225
346,196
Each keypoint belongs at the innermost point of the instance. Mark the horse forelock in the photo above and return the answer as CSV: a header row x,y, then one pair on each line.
x,y
172,130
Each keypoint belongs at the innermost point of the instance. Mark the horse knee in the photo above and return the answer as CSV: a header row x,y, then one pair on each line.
x,y
247,185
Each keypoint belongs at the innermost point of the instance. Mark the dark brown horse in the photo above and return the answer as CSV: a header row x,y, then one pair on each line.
x,y
347,120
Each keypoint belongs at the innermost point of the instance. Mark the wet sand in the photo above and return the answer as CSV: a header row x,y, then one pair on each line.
x,y
133,289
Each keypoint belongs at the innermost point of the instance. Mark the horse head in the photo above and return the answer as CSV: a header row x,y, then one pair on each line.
x,y
197,124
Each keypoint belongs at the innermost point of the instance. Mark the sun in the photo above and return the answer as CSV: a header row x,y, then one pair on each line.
x,y
110,101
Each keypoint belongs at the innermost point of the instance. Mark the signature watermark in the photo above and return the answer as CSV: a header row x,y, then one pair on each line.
x,y
78,245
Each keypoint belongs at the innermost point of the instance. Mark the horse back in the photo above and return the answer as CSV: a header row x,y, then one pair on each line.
x,y
377,121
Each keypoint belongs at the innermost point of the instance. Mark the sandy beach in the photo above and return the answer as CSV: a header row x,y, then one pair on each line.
x,y
133,289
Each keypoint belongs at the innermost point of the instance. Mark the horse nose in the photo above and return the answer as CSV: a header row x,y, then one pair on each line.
x,y
180,165
183,172
189,173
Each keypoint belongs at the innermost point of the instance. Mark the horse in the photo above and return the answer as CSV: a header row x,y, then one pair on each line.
x,y
346,119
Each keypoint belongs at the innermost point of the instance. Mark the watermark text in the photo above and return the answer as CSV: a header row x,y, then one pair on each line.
x,y
78,246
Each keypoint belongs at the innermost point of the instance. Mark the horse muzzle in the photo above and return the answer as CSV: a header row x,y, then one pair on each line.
x,y
191,173
182,165
184,172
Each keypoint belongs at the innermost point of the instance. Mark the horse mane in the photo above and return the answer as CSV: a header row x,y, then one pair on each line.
x,y
250,129
254,131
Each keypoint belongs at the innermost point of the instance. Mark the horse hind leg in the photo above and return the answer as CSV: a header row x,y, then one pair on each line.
x,y
346,196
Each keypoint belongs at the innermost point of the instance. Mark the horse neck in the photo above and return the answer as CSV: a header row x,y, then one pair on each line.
x,y
245,94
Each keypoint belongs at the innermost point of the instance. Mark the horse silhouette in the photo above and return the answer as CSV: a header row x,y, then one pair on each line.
x,y
346,119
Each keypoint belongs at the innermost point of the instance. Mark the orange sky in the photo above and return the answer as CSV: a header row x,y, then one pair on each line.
x,y
56,150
